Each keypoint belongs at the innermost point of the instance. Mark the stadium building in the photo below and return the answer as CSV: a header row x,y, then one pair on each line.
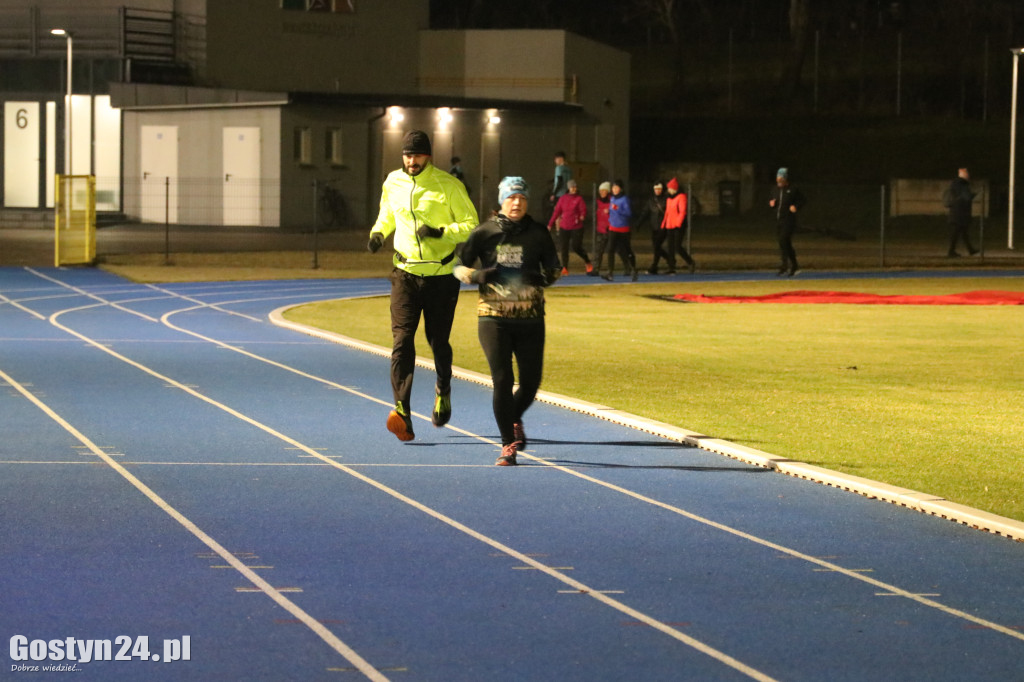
x,y
241,112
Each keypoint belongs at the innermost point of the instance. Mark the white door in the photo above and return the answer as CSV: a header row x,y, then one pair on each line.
x,y
242,176
21,154
159,182
107,161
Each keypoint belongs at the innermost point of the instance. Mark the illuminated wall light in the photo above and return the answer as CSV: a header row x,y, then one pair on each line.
x,y
444,115
494,119
396,115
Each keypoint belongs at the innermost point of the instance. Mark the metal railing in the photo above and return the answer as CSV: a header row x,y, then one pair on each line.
x,y
842,226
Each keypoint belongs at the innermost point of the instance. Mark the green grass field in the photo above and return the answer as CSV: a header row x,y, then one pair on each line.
x,y
925,397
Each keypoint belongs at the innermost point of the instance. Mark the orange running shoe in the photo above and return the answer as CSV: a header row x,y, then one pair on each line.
x,y
400,424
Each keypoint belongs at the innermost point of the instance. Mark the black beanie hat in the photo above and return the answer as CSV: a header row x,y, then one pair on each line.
x,y
416,142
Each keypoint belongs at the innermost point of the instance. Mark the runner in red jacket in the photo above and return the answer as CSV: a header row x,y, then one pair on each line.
x,y
675,225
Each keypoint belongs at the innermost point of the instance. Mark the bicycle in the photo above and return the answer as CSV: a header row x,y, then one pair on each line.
x,y
332,207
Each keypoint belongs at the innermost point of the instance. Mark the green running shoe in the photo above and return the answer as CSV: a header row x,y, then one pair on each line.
x,y
442,410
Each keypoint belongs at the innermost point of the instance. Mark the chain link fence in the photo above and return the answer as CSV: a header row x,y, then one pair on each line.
x,y
731,226
224,201
842,226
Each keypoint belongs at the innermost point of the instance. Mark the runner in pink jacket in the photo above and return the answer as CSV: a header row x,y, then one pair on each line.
x,y
568,217
601,219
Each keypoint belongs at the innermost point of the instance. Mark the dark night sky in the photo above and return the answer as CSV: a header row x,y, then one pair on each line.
x,y
622,23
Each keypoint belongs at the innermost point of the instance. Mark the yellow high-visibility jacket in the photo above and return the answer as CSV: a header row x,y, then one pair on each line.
x,y
432,198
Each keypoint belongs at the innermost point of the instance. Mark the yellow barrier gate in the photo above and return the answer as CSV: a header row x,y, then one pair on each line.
x,y
75,220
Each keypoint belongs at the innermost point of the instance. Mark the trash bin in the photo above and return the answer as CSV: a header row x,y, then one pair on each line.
x,y
728,197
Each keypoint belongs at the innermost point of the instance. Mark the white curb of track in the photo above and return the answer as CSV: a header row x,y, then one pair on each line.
x,y
904,497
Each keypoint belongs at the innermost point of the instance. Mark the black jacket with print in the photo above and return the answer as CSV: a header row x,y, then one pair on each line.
x,y
784,198
524,261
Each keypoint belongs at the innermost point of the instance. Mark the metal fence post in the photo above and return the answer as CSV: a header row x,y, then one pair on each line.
x,y
316,224
167,221
881,217
689,218
981,218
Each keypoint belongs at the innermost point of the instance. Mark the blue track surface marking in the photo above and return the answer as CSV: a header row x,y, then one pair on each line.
x,y
177,466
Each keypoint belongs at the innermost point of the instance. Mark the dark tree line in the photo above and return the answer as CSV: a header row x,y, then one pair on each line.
x,y
950,29
628,22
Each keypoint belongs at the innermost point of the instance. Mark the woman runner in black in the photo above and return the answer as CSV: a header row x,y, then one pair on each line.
x,y
517,260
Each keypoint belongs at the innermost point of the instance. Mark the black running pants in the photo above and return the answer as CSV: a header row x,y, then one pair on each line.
x,y
502,340
435,299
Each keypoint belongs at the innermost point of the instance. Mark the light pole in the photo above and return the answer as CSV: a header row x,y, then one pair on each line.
x,y
67,109
1016,52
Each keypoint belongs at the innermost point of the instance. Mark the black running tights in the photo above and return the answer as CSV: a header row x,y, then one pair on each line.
x,y
501,341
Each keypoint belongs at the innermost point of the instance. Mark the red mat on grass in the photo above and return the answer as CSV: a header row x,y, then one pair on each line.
x,y
968,298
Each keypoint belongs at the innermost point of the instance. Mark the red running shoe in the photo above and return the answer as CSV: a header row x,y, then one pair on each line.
x,y
519,435
508,456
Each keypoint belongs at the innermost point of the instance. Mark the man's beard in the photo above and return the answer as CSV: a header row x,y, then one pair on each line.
x,y
414,169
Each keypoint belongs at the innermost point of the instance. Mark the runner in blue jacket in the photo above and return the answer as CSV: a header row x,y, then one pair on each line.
x,y
620,217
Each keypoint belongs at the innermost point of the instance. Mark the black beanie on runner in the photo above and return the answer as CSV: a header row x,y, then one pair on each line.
x,y
416,142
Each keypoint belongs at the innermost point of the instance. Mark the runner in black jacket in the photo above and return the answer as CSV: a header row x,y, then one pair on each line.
x,y
959,204
517,260
787,201
652,214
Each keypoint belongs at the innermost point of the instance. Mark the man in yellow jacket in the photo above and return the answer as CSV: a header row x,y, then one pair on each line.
x,y
429,213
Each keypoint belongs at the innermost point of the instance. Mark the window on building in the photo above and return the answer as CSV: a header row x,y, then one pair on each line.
x,y
303,152
334,149
335,6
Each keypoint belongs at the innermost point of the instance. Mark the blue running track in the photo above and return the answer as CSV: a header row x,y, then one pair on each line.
x,y
182,479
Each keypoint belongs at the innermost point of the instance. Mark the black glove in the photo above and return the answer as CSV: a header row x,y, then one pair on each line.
x,y
376,241
483,275
428,231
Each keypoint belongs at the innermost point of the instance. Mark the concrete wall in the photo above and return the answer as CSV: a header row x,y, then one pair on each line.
x,y
497,64
254,44
910,196
199,186
706,180
350,177
602,76
555,90
590,78
95,25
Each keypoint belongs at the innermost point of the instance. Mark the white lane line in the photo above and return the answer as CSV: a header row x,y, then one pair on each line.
x,y
259,583
696,644
303,294
165,319
361,465
831,567
921,598
534,568
83,292
694,517
19,306
208,305
266,568
593,592
824,565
